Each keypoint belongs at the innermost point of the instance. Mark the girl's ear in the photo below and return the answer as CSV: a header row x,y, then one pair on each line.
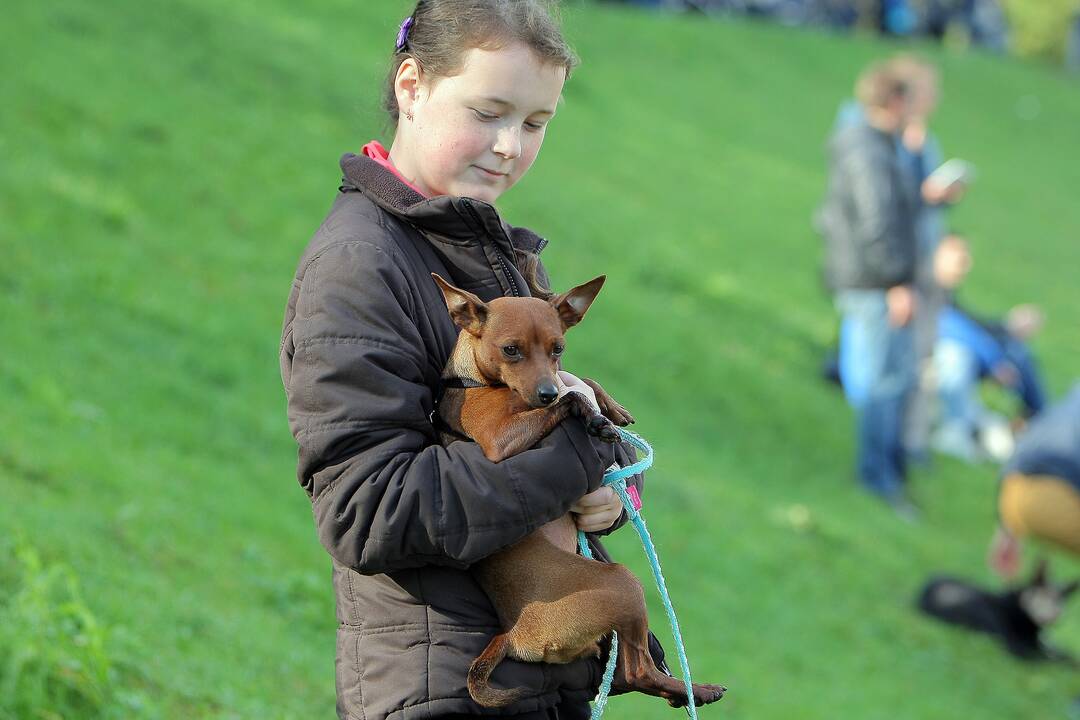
x,y
407,84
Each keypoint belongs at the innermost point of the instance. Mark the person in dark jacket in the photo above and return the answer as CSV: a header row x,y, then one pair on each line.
x,y
868,222
474,84
1039,496
920,154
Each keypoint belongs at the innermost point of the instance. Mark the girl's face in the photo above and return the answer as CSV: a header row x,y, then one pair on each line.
x,y
476,133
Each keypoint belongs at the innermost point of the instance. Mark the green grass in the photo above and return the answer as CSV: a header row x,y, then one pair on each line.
x,y
164,165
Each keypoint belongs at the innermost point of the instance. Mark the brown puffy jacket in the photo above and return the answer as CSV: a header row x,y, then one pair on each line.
x,y
365,338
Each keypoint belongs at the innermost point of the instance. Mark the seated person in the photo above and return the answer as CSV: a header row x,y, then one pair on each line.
x,y
970,349
1039,495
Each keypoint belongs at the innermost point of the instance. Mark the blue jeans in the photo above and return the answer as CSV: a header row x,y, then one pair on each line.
x,y
957,370
877,367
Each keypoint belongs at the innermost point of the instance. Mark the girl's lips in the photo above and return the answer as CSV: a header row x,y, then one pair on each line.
x,y
490,173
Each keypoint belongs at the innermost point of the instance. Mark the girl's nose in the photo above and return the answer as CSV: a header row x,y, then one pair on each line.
x,y
508,143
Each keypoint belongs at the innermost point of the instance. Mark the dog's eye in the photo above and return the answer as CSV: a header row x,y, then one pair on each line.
x,y
511,351
557,350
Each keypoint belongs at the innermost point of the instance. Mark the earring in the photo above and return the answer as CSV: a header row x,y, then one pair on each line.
x,y
409,115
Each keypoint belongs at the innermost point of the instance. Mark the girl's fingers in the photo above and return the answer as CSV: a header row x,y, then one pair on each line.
x,y
595,499
597,520
597,511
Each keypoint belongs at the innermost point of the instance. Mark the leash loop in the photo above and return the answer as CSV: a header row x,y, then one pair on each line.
x,y
617,480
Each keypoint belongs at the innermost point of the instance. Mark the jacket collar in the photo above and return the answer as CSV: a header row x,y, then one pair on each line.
x,y
457,220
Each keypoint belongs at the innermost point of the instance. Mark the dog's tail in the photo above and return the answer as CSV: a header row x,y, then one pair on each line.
x,y
481,669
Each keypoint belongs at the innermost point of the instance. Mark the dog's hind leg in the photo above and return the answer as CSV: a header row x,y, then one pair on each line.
x,y
635,669
607,597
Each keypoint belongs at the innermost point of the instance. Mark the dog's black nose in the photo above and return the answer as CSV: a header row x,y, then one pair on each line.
x,y
547,393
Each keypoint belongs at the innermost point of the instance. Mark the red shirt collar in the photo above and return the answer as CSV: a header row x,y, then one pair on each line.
x,y
379,154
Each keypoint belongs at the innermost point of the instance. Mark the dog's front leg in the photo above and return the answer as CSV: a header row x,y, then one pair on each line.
x,y
609,407
506,436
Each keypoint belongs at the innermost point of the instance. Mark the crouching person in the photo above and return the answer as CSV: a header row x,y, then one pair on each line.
x,y
1039,495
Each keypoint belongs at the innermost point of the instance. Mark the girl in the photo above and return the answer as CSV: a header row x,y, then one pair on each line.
x,y
472,89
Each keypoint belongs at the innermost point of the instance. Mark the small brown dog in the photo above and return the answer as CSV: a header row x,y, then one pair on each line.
x,y
502,390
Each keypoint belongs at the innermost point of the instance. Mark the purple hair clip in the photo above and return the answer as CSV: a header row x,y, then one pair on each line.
x,y
403,34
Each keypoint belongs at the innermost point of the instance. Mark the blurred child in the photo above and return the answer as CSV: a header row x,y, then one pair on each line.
x,y
969,350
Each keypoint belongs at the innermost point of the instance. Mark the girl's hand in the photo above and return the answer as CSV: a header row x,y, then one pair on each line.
x,y
572,383
598,510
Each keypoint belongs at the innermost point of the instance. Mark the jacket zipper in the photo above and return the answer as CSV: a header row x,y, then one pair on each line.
x,y
498,253
506,271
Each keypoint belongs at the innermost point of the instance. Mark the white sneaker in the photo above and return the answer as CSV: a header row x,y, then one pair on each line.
x,y
996,438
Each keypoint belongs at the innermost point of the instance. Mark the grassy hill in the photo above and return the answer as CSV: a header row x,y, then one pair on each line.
x,y
165,164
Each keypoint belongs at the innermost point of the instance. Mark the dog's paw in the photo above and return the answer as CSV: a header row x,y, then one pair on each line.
x,y
615,412
703,695
599,426
609,406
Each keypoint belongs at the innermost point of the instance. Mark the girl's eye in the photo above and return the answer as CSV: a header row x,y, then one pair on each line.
x,y
511,351
534,127
486,117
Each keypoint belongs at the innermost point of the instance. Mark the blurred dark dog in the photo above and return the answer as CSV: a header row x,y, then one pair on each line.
x,y
1016,617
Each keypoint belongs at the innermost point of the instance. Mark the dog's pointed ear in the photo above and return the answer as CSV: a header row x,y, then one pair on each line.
x,y
1069,588
572,304
1041,576
467,311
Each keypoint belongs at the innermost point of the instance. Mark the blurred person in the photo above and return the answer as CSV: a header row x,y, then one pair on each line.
x,y
1072,44
936,18
841,14
982,21
921,154
970,350
835,14
867,221
987,25
473,87
1039,494
897,17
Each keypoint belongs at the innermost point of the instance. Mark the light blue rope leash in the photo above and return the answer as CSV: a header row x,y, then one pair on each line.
x,y
617,480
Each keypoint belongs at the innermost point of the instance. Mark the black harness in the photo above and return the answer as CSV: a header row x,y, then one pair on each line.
x,y
461,384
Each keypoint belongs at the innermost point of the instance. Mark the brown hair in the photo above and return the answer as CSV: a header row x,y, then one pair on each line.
x,y
442,31
921,77
880,84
